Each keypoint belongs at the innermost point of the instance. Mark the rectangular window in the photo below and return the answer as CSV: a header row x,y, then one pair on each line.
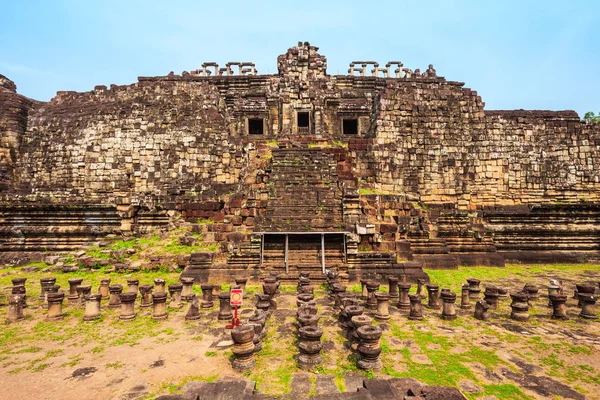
x,y
350,127
303,122
256,126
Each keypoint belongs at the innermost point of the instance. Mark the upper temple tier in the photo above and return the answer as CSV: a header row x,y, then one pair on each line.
x,y
400,157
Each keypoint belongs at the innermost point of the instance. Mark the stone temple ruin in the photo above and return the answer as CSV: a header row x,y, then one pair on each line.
x,y
383,170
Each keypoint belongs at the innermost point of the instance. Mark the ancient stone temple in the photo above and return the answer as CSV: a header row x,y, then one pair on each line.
x,y
384,169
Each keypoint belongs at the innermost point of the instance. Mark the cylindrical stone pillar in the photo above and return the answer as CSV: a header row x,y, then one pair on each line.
x,y
474,289
20,291
128,306
146,295
115,296
21,282
421,287
262,302
207,295
383,302
588,305
448,309
552,289
349,312
159,285
50,289
103,288
559,308
363,285
241,282
369,347
193,312
14,311
310,347
584,288
225,306
502,293
403,300
243,347
464,299
92,307
491,296
258,331
358,321
159,301
175,292
433,296
532,293
337,291
44,283
481,310
372,287
520,306
83,291
133,285
188,288
416,308
55,301
393,287
304,298
73,295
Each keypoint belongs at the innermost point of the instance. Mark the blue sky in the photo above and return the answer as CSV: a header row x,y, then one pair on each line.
x,y
516,54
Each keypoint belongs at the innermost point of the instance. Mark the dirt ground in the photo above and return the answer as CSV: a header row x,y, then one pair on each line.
x,y
499,358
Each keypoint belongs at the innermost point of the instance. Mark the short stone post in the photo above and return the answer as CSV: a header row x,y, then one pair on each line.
x,y
14,311
491,296
103,288
21,282
263,302
188,288
133,285
83,291
474,289
337,290
532,292
114,300
363,285
304,298
464,298
50,289
502,293
481,310
128,306
258,330
45,283
159,285
403,300
393,287
73,295
55,301
349,313
369,347
20,291
588,303
302,281
241,282
92,307
159,301
358,321
433,296
146,295
520,306
193,312
416,308
420,287
308,289
584,288
259,318
383,302
448,308
225,312
310,347
175,292
559,308
243,347
207,295
552,289
372,287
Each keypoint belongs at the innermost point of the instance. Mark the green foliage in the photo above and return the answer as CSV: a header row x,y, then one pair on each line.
x,y
590,116
205,221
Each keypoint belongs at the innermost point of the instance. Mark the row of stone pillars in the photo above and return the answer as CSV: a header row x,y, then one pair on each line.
x,y
309,333
359,329
247,337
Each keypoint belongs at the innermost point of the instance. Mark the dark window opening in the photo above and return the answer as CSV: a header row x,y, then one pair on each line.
x,y
256,126
350,126
303,122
